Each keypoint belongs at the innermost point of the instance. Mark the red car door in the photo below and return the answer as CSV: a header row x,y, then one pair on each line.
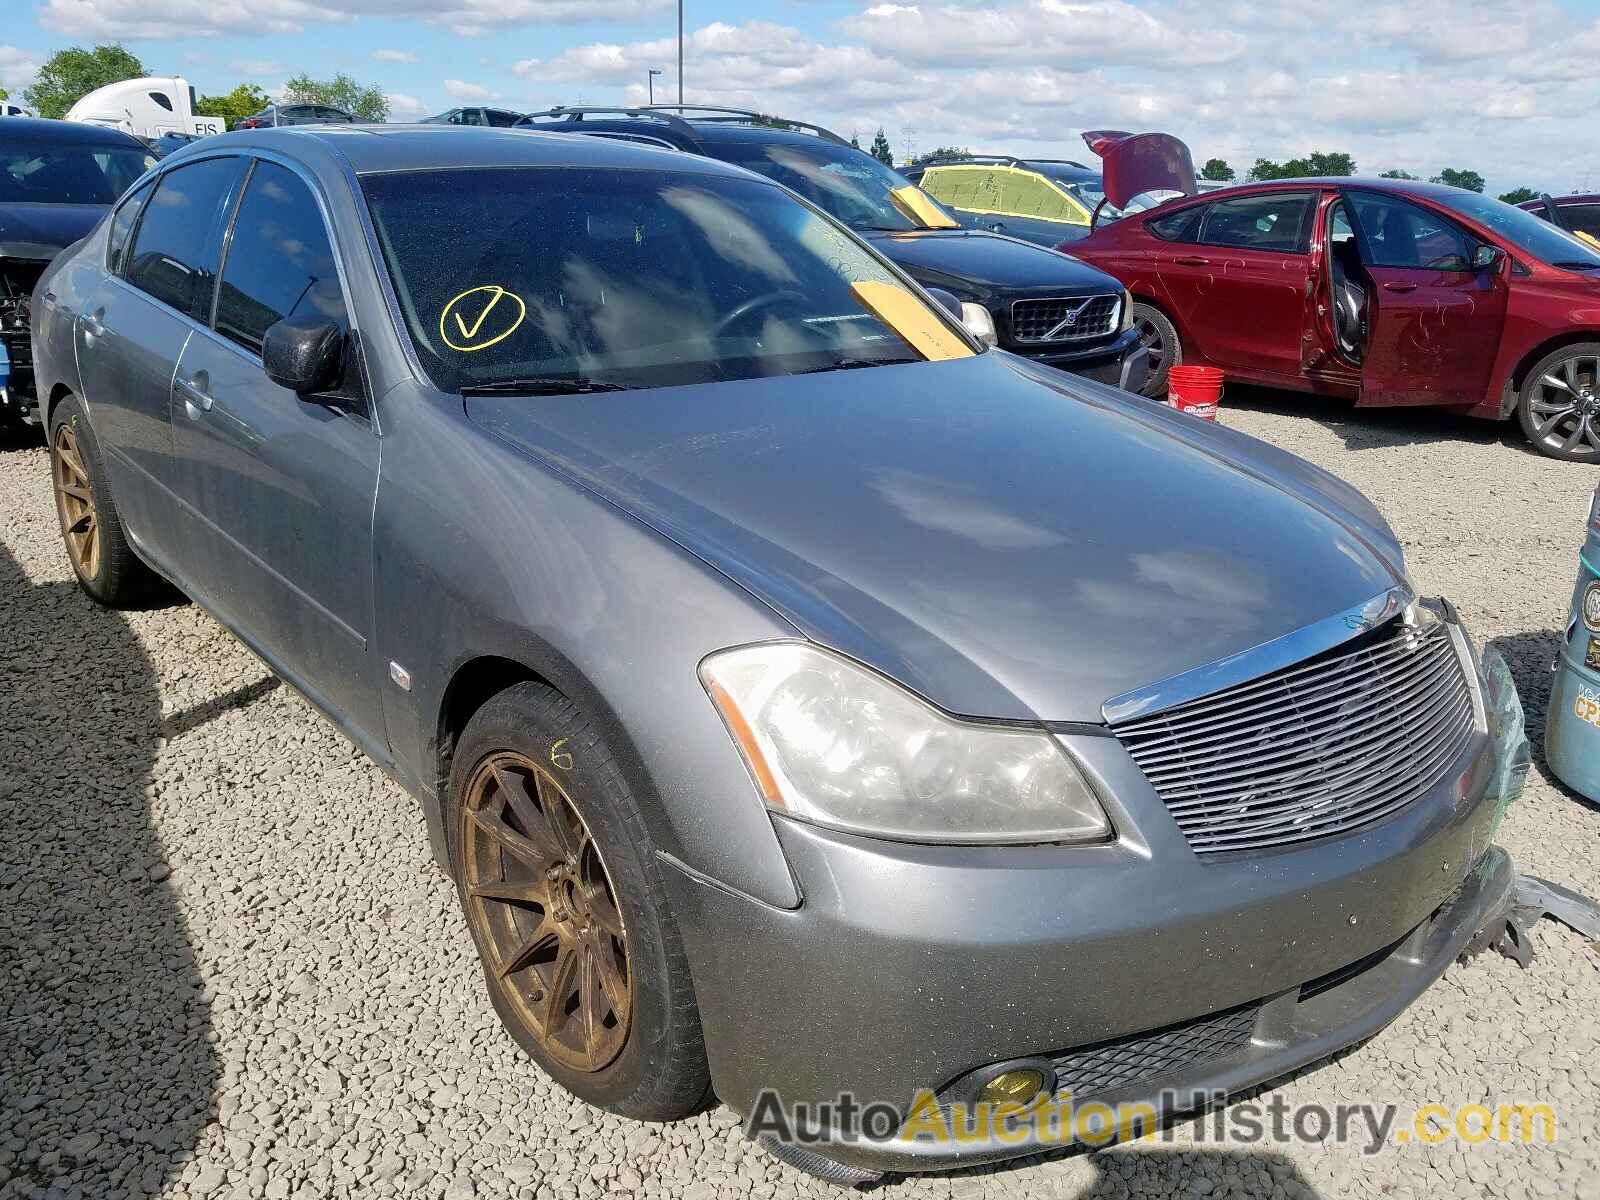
x,y
1435,318
1245,285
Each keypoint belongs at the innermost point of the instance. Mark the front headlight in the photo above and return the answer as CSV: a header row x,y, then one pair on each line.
x,y
834,743
1127,309
978,322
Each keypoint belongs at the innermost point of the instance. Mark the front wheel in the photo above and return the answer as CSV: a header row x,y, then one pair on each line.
x,y
1559,408
1159,337
565,900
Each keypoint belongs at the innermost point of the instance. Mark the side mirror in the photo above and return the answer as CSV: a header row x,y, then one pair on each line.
x,y
304,354
1488,258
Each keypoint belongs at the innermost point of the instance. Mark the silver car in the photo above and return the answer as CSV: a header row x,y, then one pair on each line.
x,y
809,703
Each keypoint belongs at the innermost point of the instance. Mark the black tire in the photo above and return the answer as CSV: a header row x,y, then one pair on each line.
x,y
114,576
1559,408
1159,336
660,1072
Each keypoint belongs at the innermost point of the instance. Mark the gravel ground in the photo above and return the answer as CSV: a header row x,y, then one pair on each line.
x,y
228,966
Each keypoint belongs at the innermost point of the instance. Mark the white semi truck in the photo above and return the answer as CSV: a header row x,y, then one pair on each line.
x,y
146,108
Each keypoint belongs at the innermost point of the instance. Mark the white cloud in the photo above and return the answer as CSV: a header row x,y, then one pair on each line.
x,y
463,90
256,66
394,56
128,20
1441,83
401,106
17,68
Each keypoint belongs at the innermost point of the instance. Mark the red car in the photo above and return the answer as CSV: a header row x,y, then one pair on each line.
x,y
1390,292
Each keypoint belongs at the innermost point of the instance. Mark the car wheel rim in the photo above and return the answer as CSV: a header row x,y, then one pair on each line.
x,y
1565,406
80,519
1154,344
543,904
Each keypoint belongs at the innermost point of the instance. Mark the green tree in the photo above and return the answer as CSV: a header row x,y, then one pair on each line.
x,y
1218,170
940,152
69,75
4,95
245,99
363,102
1320,162
1396,173
1519,195
880,148
1470,180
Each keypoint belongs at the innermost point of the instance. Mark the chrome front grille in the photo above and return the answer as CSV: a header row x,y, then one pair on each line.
x,y
1316,749
1064,318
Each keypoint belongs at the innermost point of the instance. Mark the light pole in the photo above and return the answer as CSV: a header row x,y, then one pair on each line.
x,y
652,84
680,56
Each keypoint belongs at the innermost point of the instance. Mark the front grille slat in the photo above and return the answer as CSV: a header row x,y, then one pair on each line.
x,y
1294,747
1316,749
1064,318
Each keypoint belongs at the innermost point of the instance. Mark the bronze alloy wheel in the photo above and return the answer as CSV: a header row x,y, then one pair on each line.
x,y
80,520
545,911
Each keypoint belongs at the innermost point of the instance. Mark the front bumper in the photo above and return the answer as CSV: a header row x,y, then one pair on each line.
x,y
1571,741
1123,363
906,967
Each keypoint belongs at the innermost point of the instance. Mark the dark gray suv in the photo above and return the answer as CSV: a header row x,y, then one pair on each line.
x,y
807,700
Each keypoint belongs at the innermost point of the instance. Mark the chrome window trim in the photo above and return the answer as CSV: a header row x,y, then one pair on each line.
x,y
1260,660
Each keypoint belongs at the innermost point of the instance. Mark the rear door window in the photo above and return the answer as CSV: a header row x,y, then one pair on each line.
x,y
972,188
1273,221
1180,226
174,251
280,262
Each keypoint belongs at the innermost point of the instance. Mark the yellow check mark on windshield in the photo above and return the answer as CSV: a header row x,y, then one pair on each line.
x,y
468,333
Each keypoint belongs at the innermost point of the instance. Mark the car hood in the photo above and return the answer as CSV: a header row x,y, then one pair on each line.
x,y
964,259
1006,540
38,231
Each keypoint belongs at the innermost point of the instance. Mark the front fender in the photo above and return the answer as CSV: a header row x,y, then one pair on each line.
x,y
481,551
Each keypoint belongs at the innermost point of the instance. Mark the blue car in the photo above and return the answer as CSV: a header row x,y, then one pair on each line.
x,y
1572,732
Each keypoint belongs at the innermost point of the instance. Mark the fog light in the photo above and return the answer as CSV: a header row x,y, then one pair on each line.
x,y
1019,1087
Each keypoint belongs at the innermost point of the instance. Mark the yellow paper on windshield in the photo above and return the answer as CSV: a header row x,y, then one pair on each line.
x,y
919,206
911,318
1588,238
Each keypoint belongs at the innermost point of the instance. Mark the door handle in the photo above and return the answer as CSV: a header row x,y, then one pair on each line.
x,y
92,326
1189,260
1396,286
193,397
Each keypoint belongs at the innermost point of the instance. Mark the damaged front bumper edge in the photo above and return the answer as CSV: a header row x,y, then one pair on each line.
x,y
1492,910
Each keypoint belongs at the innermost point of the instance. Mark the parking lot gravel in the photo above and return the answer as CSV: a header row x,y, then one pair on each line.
x,y
229,967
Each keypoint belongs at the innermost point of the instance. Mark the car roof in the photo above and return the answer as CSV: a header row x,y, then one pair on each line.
x,y
372,149
1409,187
45,131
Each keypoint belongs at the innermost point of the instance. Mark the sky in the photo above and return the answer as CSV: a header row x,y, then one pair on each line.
x,y
1505,88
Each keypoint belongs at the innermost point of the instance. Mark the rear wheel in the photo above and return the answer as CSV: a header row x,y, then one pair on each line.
x,y
1163,349
105,565
564,897
1559,408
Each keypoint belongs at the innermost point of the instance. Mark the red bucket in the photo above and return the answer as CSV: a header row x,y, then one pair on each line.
x,y
1195,390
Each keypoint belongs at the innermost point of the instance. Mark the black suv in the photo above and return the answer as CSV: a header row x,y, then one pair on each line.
x,y
1026,299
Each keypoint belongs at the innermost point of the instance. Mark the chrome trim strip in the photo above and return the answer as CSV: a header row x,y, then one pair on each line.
x,y
1259,660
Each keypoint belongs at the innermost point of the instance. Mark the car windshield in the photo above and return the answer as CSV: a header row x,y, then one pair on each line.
x,y
32,173
560,279
847,184
1526,232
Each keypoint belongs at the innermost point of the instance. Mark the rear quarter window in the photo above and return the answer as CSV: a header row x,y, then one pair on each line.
x,y
1180,226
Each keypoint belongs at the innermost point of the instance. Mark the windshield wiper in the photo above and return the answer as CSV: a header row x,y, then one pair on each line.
x,y
544,386
851,364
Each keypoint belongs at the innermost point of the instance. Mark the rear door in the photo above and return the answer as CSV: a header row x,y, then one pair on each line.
x,y
164,243
1435,323
282,485
1243,287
